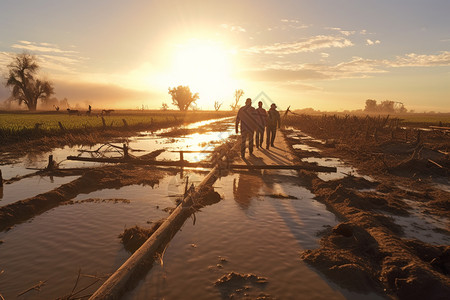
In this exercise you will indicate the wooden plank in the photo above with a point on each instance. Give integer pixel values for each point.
(117, 283)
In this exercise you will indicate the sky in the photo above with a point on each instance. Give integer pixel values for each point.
(330, 55)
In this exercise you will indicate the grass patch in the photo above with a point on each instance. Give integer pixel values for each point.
(19, 126)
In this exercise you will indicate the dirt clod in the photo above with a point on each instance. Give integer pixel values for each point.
(242, 286)
(134, 237)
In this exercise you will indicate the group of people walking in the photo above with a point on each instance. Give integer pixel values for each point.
(254, 122)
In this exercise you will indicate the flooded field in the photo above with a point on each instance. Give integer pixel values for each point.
(262, 224)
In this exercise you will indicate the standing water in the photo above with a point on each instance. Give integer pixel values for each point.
(260, 227)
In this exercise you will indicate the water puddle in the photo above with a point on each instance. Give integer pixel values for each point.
(262, 224)
(343, 169)
(85, 235)
(304, 147)
(30, 187)
(424, 227)
(247, 232)
(146, 141)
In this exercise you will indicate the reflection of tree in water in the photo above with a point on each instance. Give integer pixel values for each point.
(245, 188)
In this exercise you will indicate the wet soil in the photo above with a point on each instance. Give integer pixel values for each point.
(367, 250)
(133, 238)
(242, 286)
(92, 180)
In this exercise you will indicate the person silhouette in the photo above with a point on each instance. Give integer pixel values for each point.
(261, 121)
(246, 117)
(273, 122)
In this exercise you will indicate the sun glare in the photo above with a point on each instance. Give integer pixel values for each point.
(206, 67)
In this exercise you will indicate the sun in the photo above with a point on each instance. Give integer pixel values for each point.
(206, 67)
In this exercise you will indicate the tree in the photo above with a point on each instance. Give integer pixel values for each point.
(182, 97)
(400, 108)
(217, 105)
(237, 96)
(387, 106)
(25, 87)
(371, 105)
(164, 106)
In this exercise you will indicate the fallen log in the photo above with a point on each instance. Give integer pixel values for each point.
(186, 164)
(139, 262)
(442, 128)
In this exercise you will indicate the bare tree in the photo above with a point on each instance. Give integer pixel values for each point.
(25, 87)
(217, 105)
(237, 96)
(182, 97)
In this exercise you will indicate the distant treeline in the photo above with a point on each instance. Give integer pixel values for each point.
(386, 106)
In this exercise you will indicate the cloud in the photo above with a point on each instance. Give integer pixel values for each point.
(292, 24)
(369, 42)
(357, 67)
(50, 57)
(233, 28)
(5, 59)
(421, 60)
(308, 45)
(285, 72)
(343, 32)
(40, 47)
(62, 64)
(289, 21)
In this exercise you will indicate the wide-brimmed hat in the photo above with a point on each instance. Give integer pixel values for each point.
(273, 105)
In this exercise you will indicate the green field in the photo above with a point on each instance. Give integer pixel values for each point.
(35, 124)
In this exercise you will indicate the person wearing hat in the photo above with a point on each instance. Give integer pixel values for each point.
(273, 122)
(246, 117)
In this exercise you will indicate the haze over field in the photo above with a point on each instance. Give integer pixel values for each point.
(329, 55)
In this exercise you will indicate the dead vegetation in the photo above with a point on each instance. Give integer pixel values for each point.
(133, 238)
(380, 144)
(367, 250)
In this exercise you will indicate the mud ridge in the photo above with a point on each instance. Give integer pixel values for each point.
(366, 251)
(92, 180)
